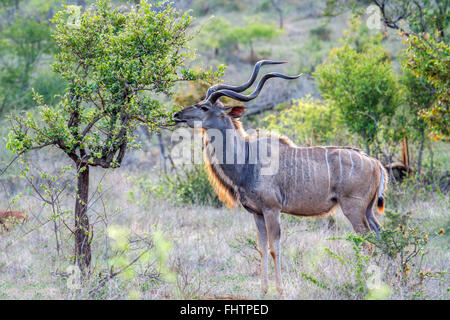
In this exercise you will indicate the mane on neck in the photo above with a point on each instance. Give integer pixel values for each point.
(222, 185)
(283, 139)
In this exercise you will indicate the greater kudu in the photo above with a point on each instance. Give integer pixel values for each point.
(309, 182)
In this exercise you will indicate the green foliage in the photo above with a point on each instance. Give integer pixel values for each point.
(322, 32)
(363, 277)
(25, 38)
(429, 60)
(194, 91)
(313, 52)
(425, 25)
(111, 60)
(405, 243)
(193, 187)
(418, 95)
(127, 259)
(359, 81)
(314, 281)
(186, 186)
(427, 16)
(214, 34)
(358, 265)
(253, 31)
(220, 34)
(307, 121)
(401, 240)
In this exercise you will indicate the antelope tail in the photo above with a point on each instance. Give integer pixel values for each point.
(381, 189)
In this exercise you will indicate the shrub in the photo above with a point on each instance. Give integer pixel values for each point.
(402, 241)
(359, 81)
(187, 186)
(192, 187)
(321, 32)
(307, 121)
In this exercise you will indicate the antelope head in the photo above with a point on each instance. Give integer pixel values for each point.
(211, 113)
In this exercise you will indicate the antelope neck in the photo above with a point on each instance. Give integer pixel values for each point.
(235, 171)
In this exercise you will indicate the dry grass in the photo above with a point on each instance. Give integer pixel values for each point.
(213, 253)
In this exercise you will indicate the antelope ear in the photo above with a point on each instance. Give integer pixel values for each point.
(235, 112)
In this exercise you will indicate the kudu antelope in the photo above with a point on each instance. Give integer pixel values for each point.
(8, 218)
(311, 181)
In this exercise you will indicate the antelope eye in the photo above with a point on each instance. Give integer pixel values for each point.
(204, 108)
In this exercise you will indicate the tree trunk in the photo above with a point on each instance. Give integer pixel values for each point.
(252, 54)
(366, 146)
(366, 143)
(82, 228)
(419, 159)
(162, 154)
(279, 11)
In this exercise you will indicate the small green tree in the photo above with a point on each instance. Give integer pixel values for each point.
(220, 34)
(357, 78)
(253, 31)
(111, 60)
(214, 35)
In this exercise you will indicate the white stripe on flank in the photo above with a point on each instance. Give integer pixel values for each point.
(296, 166)
(351, 159)
(328, 167)
(309, 164)
(301, 161)
(340, 166)
(292, 162)
(362, 163)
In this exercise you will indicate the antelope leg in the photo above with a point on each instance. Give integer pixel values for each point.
(262, 248)
(355, 211)
(272, 219)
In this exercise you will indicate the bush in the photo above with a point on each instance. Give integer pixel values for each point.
(188, 186)
(358, 79)
(321, 32)
(221, 34)
(308, 121)
(402, 241)
(193, 187)
(403, 244)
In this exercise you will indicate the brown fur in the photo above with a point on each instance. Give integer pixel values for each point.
(283, 139)
(8, 218)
